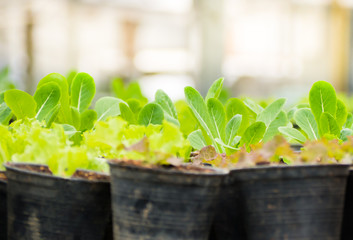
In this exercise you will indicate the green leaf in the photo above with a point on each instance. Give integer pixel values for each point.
(306, 121)
(52, 115)
(119, 88)
(187, 120)
(151, 113)
(197, 140)
(322, 98)
(76, 118)
(292, 133)
(83, 90)
(228, 149)
(47, 98)
(232, 128)
(126, 113)
(341, 113)
(215, 89)
(271, 111)
(107, 107)
(235, 106)
(2, 97)
(21, 103)
(218, 116)
(253, 106)
(199, 109)
(70, 76)
(345, 133)
(170, 113)
(236, 140)
(349, 121)
(134, 105)
(88, 118)
(272, 130)
(69, 130)
(166, 103)
(134, 91)
(64, 115)
(253, 134)
(5, 114)
(291, 112)
(328, 125)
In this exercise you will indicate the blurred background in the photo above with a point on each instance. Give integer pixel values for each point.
(263, 48)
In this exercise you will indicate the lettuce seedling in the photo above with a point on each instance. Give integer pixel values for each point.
(227, 128)
(326, 116)
(28, 140)
(154, 144)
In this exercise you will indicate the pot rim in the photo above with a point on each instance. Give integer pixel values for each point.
(214, 172)
(13, 166)
(297, 166)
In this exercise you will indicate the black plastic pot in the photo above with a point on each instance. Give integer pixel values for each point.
(282, 202)
(347, 225)
(3, 209)
(46, 207)
(163, 204)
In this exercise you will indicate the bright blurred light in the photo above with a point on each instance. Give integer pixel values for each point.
(173, 6)
(173, 85)
(163, 60)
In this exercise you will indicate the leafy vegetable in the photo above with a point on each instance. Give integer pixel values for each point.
(215, 89)
(329, 125)
(232, 128)
(200, 111)
(292, 133)
(271, 111)
(170, 113)
(253, 134)
(197, 140)
(83, 90)
(322, 98)
(107, 107)
(153, 144)
(64, 115)
(151, 113)
(47, 98)
(21, 103)
(235, 106)
(306, 121)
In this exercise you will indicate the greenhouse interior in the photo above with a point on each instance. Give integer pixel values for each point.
(176, 120)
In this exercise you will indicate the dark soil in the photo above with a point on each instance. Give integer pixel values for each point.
(3, 176)
(90, 175)
(80, 174)
(33, 168)
(182, 168)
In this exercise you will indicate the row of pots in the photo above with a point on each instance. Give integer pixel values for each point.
(273, 202)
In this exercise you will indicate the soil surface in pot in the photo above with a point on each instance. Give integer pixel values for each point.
(80, 174)
(3, 176)
(182, 168)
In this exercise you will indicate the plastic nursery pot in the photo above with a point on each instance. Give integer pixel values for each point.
(3, 207)
(163, 203)
(347, 229)
(282, 202)
(45, 207)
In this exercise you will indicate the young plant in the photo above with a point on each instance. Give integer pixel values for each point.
(28, 140)
(151, 144)
(326, 116)
(236, 124)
